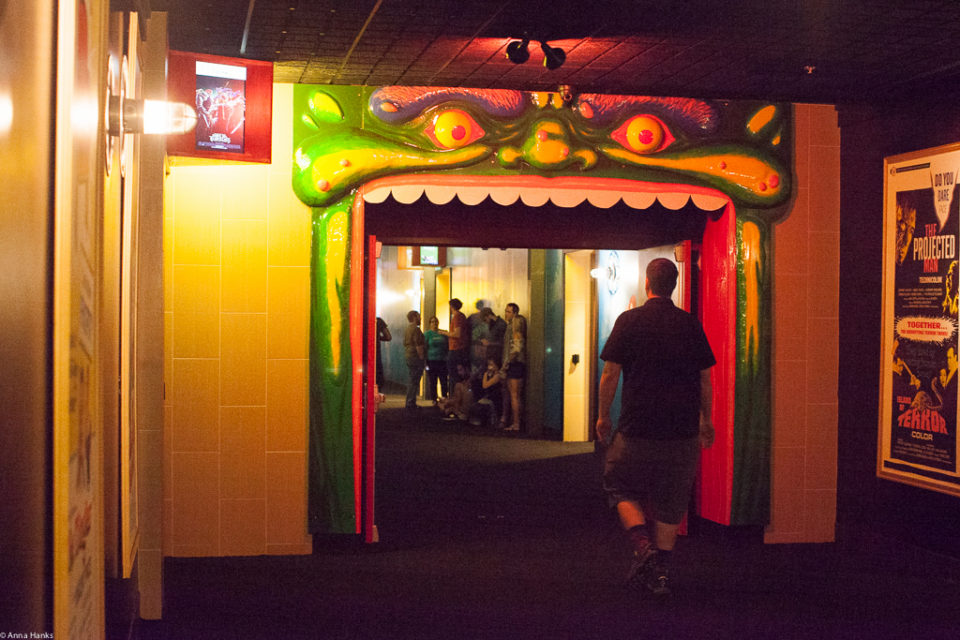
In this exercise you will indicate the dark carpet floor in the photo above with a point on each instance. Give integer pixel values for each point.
(486, 534)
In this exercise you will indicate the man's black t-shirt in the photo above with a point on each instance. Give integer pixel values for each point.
(662, 350)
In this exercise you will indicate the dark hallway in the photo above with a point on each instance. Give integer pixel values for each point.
(488, 535)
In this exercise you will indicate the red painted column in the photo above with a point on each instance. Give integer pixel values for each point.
(718, 291)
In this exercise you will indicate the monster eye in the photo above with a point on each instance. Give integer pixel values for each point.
(643, 134)
(453, 129)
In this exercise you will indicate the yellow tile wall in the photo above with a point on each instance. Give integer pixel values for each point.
(236, 301)
(806, 325)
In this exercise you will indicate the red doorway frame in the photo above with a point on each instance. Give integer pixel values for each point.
(717, 290)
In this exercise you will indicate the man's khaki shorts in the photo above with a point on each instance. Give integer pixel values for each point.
(656, 474)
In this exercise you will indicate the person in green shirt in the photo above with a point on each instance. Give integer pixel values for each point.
(436, 360)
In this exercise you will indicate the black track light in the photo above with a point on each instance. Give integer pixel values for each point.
(553, 57)
(517, 51)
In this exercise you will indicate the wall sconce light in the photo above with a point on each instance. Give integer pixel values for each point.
(517, 51)
(610, 273)
(151, 117)
(553, 57)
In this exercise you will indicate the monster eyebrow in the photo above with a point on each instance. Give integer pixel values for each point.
(396, 104)
(694, 115)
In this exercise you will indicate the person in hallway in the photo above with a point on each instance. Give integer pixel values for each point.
(383, 335)
(491, 390)
(414, 351)
(479, 335)
(514, 367)
(436, 360)
(496, 328)
(459, 341)
(476, 317)
(458, 405)
(650, 465)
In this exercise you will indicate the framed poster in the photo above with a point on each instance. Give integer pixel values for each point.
(917, 441)
(78, 568)
(233, 98)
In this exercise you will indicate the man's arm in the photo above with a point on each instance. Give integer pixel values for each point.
(608, 389)
(706, 410)
(421, 345)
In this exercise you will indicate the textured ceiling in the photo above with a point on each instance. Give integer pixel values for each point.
(834, 51)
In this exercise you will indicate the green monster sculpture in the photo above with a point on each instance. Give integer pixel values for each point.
(738, 153)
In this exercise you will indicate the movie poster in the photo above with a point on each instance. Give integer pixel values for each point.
(221, 106)
(918, 439)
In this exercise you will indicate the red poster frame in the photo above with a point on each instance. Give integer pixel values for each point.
(181, 87)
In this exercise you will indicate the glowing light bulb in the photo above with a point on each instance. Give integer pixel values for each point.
(161, 117)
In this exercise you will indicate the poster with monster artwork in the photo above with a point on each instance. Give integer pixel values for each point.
(918, 424)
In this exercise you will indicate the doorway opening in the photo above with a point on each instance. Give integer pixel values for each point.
(567, 300)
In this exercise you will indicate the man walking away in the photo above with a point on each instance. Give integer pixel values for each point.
(664, 357)
(414, 352)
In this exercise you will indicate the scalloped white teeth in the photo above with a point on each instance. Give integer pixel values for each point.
(536, 196)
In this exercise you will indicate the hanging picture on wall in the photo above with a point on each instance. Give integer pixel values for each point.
(221, 102)
(233, 99)
(918, 441)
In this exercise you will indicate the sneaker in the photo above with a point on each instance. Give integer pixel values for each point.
(657, 580)
(639, 568)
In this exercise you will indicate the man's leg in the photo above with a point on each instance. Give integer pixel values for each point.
(451, 371)
(516, 390)
(631, 515)
(431, 382)
(634, 525)
(657, 573)
(411, 394)
(416, 372)
(665, 535)
(505, 403)
(442, 375)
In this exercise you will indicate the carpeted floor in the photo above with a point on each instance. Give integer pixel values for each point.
(487, 534)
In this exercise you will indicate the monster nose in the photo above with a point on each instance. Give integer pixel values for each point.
(549, 145)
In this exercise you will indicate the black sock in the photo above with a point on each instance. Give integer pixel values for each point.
(639, 539)
(663, 557)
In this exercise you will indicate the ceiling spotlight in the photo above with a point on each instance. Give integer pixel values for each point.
(517, 52)
(553, 57)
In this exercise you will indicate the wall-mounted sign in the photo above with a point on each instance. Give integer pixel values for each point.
(221, 103)
(233, 98)
(918, 441)
(421, 256)
(430, 256)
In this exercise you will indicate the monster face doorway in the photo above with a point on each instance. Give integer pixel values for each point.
(357, 144)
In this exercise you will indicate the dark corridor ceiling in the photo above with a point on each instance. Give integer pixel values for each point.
(829, 51)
